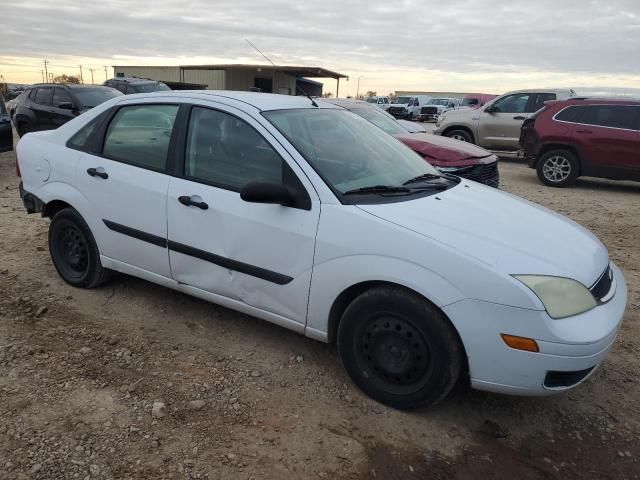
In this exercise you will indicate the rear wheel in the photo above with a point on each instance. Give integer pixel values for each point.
(557, 168)
(74, 251)
(461, 135)
(399, 349)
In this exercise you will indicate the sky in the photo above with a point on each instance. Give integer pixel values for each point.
(459, 45)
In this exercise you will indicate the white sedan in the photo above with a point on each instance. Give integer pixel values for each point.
(308, 216)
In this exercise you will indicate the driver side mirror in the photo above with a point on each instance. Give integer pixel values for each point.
(492, 109)
(267, 192)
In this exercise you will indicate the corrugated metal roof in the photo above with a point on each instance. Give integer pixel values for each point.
(317, 72)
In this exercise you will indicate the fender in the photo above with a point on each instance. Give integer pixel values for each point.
(333, 277)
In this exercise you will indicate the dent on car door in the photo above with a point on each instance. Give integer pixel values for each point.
(499, 127)
(258, 254)
(125, 179)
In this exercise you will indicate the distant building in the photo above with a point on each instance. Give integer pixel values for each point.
(285, 80)
(431, 94)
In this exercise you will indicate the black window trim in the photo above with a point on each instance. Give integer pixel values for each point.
(637, 129)
(303, 201)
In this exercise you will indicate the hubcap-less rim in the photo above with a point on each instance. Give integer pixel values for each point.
(72, 251)
(556, 169)
(459, 137)
(395, 353)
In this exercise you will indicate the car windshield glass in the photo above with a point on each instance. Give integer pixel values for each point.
(372, 100)
(403, 100)
(92, 97)
(380, 119)
(438, 101)
(149, 87)
(348, 151)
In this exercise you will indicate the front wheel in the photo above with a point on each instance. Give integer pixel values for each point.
(557, 168)
(399, 349)
(74, 251)
(461, 135)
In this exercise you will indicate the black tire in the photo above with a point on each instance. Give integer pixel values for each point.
(399, 349)
(461, 135)
(558, 168)
(74, 251)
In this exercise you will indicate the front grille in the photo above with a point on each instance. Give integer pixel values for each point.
(603, 286)
(486, 173)
(428, 110)
(397, 110)
(565, 379)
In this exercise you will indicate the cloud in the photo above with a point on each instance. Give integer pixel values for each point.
(397, 43)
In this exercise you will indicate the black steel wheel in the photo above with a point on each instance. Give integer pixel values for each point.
(74, 251)
(399, 348)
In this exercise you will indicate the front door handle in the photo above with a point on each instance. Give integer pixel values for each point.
(97, 172)
(520, 118)
(193, 201)
(588, 132)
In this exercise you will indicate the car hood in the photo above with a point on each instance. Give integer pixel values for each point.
(405, 105)
(443, 151)
(508, 233)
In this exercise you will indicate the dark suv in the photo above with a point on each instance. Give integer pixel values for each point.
(584, 137)
(46, 106)
(129, 85)
(6, 134)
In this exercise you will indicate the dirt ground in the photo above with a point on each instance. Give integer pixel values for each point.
(81, 372)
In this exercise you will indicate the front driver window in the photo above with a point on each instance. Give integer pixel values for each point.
(225, 151)
(513, 103)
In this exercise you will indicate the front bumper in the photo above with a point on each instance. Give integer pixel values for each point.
(31, 203)
(571, 349)
(428, 117)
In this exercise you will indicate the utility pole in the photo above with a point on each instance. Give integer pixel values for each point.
(81, 79)
(358, 88)
(42, 72)
(273, 81)
(46, 72)
(91, 70)
(105, 73)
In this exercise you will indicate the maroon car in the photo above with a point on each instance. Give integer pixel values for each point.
(446, 154)
(584, 137)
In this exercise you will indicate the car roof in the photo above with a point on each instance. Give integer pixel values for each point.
(68, 85)
(258, 100)
(601, 100)
(133, 80)
(542, 90)
(348, 103)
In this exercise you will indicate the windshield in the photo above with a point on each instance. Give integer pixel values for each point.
(439, 101)
(149, 87)
(403, 100)
(348, 151)
(380, 119)
(372, 100)
(92, 97)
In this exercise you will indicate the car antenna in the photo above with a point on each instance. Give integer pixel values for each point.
(313, 102)
(273, 82)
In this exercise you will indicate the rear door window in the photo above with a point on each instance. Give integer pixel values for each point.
(538, 101)
(612, 116)
(140, 135)
(570, 114)
(43, 96)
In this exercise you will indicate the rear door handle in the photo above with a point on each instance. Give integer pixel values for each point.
(520, 118)
(588, 132)
(97, 172)
(193, 201)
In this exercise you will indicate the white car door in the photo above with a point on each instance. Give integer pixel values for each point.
(126, 183)
(258, 254)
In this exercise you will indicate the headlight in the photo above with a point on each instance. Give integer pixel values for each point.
(561, 297)
(441, 119)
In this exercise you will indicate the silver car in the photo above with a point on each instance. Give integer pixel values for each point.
(496, 125)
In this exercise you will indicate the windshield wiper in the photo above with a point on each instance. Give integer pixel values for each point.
(424, 176)
(378, 189)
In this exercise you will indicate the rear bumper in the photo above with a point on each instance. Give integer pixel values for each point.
(31, 203)
(571, 349)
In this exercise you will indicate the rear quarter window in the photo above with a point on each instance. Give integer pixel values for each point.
(570, 114)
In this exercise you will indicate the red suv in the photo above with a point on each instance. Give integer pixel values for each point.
(584, 137)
